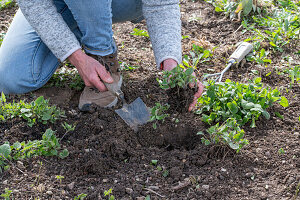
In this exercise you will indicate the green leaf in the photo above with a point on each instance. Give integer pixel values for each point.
(17, 145)
(266, 114)
(3, 97)
(154, 162)
(200, 133)
(272, 44)
(233, 107)
(247, 6)
(284, 102)
(280, 116)
(257, 80)
(5, 150)
(268, 74)
(64, 154)
(189, 71)
(39, 100)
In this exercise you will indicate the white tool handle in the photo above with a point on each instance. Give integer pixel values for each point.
(240, 53)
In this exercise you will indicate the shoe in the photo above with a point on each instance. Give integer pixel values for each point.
(103, 99)
(92, 95)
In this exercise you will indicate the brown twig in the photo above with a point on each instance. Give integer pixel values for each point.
(152, 191)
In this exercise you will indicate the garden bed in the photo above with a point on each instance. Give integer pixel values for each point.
(169, 162)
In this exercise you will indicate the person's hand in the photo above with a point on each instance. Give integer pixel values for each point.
(90, 70)
(168, 65)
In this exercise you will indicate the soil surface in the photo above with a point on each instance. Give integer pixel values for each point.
(105, 153)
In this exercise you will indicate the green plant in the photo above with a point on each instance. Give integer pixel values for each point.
(198, 55)
(6, 194)
(158, 113)
(1, 38)
(139, 32)
(294, 74)
(126, 67)
(36, 111)
(48, 146)
(109, 194)
(242, 102)
(260, 57)
(228, 134)
(5, 3)
(66, 77)
(60, 178)
(178, 77)
(154, 162)
(80, 196)
(281, 151)
(238, 8)
(68, 127)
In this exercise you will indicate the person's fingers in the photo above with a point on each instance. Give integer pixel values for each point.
(197, 95)
(104, 74)
(96, 82)
(192, 84)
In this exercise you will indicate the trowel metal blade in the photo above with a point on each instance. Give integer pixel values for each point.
(135, 113)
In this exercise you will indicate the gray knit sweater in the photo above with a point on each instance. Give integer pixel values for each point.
(162, 17)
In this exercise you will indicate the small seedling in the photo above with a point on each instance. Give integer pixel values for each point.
(126, 67)
(68, 127)
(139, 32)
(158, 113)
(165, 173)
(197, 55)
(80, 196)
(154, 162)
(6, 194)
(281, 151)
(60, 178)
(108, 193)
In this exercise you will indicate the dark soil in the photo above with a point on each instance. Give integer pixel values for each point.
(105, 153)
(179, 99)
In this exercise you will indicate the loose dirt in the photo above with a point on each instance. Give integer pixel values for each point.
(105, 153)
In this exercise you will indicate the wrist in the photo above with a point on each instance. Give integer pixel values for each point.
(77, 57)
(168, 64)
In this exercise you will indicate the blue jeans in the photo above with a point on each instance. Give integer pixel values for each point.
(26, 63)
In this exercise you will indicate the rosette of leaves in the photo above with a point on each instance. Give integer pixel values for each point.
(178, 77)
(228, 134)
(242, 102)
(158, 113)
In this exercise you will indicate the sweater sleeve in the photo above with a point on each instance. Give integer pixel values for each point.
(50, 26)
(164, 26)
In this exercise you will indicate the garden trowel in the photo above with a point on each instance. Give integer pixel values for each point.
(135, 113)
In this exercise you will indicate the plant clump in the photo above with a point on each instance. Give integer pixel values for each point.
(229, 133)
(242, 102)
(36, 111)
(176, 82)
(48, 146)
(235, 104)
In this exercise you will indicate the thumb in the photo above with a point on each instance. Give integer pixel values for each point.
(104, 75)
